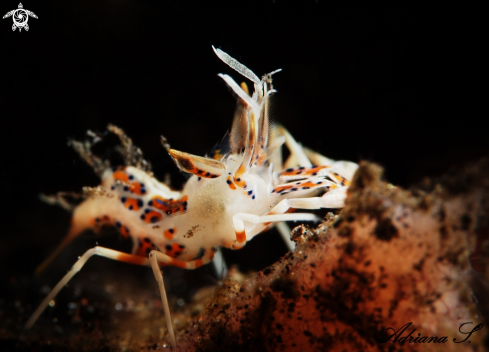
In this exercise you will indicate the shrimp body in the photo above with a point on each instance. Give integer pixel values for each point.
(231, 196)
(189, 224)
(214, 207)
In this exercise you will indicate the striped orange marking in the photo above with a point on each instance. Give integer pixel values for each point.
(303, 171)
(309, 184)
(133, 259)
(341, 179)
(282, 188)
(186, 162)
(303, 185)
(238, 176)
(179, 263)
(241, 236)
(170, 206)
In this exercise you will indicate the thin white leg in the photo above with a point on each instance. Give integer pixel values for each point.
(332, 199)
(166, 308)
(156, 257)
(101, 251)
(240, 218)
(220, 265)
(274, 153)
(128, 258)
(284, 231)
(256, 219)
(316, 158)
(295, 148)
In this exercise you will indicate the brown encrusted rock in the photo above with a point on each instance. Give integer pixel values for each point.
(392, 257)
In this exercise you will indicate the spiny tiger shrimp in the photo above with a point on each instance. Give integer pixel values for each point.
(240, 190)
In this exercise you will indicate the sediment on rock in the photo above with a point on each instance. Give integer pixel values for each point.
(391, 257)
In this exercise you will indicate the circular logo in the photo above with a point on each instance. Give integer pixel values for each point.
(20, 17)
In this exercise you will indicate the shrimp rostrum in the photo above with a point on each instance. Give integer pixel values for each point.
(240, 190)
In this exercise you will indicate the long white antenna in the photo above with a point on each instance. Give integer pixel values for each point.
(237, 66)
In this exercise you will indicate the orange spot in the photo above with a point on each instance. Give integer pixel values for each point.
(121, 176)
(170, 233)
(174, 251)
(152, 217)
(231, 183)
(132, 202)
(135, 187)
(199, 263)
(241, 236)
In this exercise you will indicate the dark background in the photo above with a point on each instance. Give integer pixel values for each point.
(398, 86)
